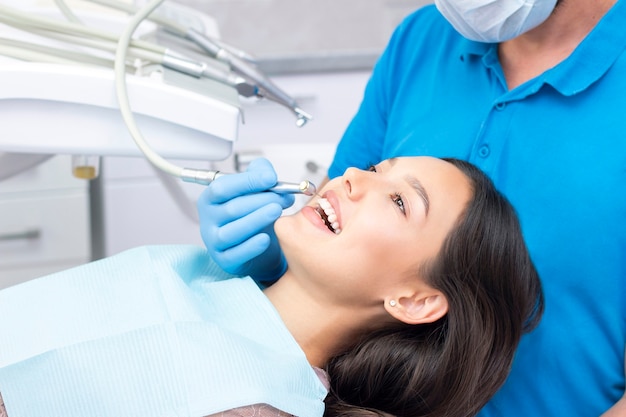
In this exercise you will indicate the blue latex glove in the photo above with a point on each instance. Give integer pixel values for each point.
(237, 218)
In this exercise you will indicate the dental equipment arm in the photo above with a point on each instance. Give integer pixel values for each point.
(238, 61)
(245, 77)
(68, 90)
(266, 87)
(79, 34)
(57, 95)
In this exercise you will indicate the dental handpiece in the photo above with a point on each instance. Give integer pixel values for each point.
(206, 177)
(265, 87)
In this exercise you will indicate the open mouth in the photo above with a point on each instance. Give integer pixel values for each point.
(327, 213)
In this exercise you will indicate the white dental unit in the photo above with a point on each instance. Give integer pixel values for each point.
(87, 80)
(186, 101)
(90, 66)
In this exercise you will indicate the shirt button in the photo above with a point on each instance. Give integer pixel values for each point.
(484, 151)
(500, 106)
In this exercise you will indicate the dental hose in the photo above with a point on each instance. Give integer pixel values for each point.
(197, 176)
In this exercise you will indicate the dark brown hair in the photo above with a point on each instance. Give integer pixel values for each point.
(454, 366)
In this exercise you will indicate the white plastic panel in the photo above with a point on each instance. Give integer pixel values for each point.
(48, 108)
(43, 230)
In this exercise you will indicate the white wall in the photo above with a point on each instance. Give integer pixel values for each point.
(271, 27)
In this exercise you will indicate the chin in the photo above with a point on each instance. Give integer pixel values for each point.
(290, 232)
(281, 228)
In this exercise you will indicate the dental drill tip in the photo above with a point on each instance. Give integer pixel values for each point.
(303, 117)
(308, 188)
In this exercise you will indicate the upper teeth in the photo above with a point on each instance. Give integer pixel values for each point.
(331, 216)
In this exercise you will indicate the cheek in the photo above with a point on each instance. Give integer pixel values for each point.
(378, 250)
(362, 274)
(367, 252)
(301, 242)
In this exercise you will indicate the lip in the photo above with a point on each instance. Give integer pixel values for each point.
(310, 212)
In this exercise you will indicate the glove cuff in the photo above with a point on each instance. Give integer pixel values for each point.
(271, 275)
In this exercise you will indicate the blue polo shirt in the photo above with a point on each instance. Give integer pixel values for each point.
(556, 147)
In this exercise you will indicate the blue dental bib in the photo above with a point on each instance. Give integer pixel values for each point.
(154, 331)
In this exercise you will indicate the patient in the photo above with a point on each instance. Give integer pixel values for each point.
(409, 284)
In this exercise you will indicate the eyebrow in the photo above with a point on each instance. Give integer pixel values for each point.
(421, 191)
(416, 185)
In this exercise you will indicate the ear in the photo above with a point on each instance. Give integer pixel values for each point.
(419, 308)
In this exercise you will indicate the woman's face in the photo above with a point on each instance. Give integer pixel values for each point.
(372, 226)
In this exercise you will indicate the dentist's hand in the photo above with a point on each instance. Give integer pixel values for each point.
(237, 218)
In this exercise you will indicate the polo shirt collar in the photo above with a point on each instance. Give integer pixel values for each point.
(469, 47)
(594, 56)
(586, 64)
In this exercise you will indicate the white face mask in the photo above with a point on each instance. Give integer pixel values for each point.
(494, 20)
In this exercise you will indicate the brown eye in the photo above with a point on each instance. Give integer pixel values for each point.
(397, 199)
(372, 168)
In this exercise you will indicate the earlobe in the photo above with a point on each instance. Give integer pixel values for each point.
(418, 309)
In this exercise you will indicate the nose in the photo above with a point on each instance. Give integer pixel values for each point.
(355, 182)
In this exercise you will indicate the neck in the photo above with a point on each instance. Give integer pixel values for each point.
(321, 327)
(542, 48)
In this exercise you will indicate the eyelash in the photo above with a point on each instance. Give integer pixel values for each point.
(396, 197)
